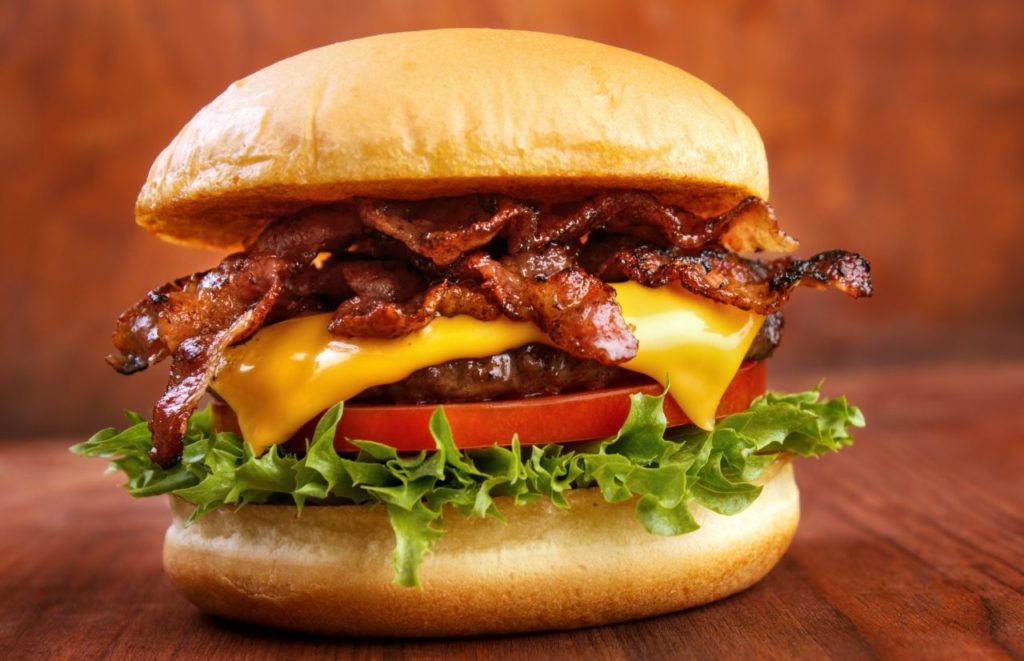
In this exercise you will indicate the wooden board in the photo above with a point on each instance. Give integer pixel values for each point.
(912, 544)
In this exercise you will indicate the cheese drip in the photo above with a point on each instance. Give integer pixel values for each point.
(290, 372)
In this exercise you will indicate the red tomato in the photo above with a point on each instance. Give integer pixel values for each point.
(553, 419)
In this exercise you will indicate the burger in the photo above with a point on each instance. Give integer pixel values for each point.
(487, 350)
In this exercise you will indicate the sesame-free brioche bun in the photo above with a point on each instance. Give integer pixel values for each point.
(546, 568)
(446, 112)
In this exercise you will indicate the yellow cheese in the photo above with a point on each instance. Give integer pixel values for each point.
(290, 372)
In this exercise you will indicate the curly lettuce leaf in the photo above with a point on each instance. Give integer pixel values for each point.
(667, 471)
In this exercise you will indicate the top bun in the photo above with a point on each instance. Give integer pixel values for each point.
(447, 112)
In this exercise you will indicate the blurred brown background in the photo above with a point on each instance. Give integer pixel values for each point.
(893, 128)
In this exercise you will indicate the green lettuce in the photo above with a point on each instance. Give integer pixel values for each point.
(666, 470)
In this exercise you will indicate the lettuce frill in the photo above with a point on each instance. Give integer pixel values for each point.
(666, 470)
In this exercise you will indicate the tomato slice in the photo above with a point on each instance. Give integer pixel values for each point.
(537, 420)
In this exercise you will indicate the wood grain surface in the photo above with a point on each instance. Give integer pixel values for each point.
(911, 546)
(893, 128)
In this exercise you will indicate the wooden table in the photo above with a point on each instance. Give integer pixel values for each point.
(912, 544)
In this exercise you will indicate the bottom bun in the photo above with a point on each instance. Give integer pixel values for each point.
(329, 571)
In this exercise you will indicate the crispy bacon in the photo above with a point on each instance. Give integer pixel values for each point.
(138, 342)
(302, 237)
(322, 288)
(155, 326)
(444, 230)
(368, 316)
(750, 226)
(576, 310)
(193, 320)
(743, 283)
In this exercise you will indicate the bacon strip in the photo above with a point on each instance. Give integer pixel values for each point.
(747, 284)
(193, 320)
(750, 226)
(444, 230)
(301, 237)
(138, 342)
(576, 310)
(367, 316)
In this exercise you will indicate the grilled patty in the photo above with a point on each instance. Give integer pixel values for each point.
(535, 369)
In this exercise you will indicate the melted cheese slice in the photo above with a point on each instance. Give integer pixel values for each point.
(292, 371)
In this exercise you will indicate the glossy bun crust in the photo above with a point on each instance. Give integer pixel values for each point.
(546, 568)
(445, 112)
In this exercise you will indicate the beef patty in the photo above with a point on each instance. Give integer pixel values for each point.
(535, 369)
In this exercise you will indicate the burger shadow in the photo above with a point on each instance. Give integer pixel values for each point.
(572, 643)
